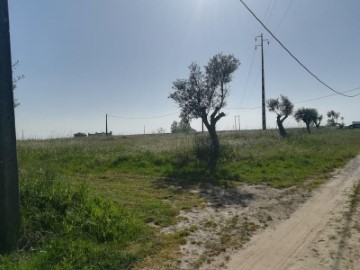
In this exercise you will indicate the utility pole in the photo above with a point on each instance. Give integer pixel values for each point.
(106, 130)
(237, 117)
(263, 79)
(9, 183)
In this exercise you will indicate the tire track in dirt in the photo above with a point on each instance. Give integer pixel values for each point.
(287, 245)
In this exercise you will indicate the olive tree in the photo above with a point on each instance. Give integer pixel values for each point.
(283, 108)
(332, 118)
(203, 94)
(307, 115)
(180, 127)
(318, 121)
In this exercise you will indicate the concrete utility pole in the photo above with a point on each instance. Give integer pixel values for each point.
(237, 117)
(263, 79)
(106, 125)
(9, 184)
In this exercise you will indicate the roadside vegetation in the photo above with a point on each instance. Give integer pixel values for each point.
(100, 203)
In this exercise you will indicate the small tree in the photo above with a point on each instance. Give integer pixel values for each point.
(342, 124)
(283, 108)
(203, 94)
(16, 79)
(174, 127)
(318, 121)
(306, 115)
(332, 118)
(181, 127)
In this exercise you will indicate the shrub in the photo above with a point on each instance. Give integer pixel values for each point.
(67, 227)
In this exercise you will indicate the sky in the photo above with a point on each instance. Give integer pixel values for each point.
(87, 58)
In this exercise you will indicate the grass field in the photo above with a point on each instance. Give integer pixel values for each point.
(100, 203)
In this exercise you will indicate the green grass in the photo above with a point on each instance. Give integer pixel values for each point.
(100, 203)
(65, 226)
(283, 163)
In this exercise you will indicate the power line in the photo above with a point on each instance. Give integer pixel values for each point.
(267, 9)
(271, 11)
(243, 108)
(293, 56)
(249, 74)
(302, 101)
(239, 108)
(140, 118)
(331, 95)
(283, 17)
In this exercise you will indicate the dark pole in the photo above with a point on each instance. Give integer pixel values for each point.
(106, 125)
(263, 85)
(9, 184)
(262, 81)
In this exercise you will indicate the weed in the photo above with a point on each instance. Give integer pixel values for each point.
(200, 261)
(210, 224)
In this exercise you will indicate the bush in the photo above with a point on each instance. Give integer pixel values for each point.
(66, 227)
(203, 148)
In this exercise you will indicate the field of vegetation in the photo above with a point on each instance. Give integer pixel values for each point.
(100, 203)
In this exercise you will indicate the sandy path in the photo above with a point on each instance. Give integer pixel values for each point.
(289, 244)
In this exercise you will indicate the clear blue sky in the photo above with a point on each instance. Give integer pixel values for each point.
(85, 58)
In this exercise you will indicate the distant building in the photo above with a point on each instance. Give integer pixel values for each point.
(80, 134)
(355, 124)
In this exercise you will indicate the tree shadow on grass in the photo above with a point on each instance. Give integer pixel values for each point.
(217, 192)
(230, 196)
(194, 171)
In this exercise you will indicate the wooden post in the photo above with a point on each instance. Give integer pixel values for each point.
(9, 185)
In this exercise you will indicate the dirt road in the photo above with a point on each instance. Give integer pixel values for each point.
(318, 235)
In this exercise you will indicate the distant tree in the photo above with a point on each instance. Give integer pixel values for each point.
(174, 127)
(16, 79)
(306, 115)
(342, 124)
(203, 94)
(318, 121)
(181, 127)
(283, 108)
(161, 130)
(332, 118)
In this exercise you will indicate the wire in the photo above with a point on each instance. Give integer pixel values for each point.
(248, 77)
(283, 17)
(312, 99)
(141, 118)
(243, 108)
(297, 102)
(240, 108)
(267, 9)
(293, 56)
(271, 11)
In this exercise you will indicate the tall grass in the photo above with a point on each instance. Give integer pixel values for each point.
(64, 226)
(99, 203)
(282, 163)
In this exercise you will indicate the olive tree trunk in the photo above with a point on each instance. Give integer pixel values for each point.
(282, 131)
